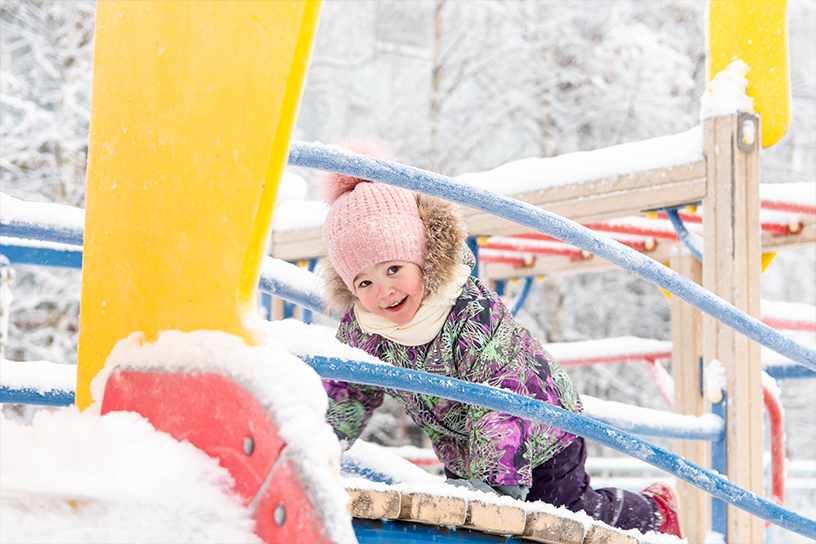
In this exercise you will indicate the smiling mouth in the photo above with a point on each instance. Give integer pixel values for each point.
(396, 305)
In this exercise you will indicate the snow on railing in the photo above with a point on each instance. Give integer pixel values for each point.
(338, 160)
(538, 411)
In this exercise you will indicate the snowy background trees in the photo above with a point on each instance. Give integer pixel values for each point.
(453, 87)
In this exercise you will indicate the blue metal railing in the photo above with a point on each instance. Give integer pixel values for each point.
(334, 159)
(685, 236)
(541, 412)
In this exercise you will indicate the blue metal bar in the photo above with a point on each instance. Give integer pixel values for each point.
(344, 162)
(788, 372)
(685, 236)
(43, 256)
(10, 395)
(534, 410)
(281, 289)
(518, 304)
(44, 232)
(473, 245)
(510, 403)
(306, 313)
(266, 303)
(48, 233)
(719, 465)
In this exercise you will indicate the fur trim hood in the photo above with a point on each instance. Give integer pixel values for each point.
(445, 233)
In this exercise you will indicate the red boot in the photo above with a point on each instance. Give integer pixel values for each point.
(666, 498)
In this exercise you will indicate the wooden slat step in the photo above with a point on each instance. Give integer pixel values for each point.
(603, 534)
(552, 529)
(495, 518)
(434, 510)
(374, 504)
(523, 523)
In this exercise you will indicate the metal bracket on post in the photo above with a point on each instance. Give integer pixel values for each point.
(747, 132)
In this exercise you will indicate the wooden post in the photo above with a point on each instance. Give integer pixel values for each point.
(687, 348)
(731, 269)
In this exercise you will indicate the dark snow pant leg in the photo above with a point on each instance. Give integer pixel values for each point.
(562, 481)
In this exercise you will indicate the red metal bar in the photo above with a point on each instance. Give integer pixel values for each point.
(566, 250)
(654, 233)
(610, 359)
(785, 207)
(774, 410)
(518, 262)
(776, 229)
(788, 324)
(657, 374)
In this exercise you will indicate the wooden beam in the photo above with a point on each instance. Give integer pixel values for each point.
(731, 269)
(552, 266)
(603, 199)
(594, 200)
(687, 341)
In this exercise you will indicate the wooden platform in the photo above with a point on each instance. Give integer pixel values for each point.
(527, 521)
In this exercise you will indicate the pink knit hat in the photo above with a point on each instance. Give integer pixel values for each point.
(369, 223)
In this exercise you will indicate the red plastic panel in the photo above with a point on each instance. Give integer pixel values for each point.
(209, 410)
(285, 513)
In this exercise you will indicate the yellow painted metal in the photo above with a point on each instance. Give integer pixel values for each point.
(194, 103)
(755, 31)
(766, 260)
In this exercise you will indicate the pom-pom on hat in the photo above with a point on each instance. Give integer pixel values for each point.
(369, 222)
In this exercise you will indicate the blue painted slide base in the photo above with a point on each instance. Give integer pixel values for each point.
(33, 397)
(371, 531)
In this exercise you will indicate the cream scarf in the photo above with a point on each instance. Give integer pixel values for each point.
(426, 323)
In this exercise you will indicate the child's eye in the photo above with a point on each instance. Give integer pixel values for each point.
(364, 283)
(393, 269)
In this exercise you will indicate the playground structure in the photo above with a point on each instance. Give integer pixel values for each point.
(727, 176)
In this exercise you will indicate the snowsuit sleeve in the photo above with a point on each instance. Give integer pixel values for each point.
(493, 349)
(350, 405)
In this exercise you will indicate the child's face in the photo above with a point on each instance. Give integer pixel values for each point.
(391, 289)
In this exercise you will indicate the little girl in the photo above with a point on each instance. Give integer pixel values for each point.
(400, 275)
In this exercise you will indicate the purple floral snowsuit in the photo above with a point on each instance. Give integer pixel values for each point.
(480, 342)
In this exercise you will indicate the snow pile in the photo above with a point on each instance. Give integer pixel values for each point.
(14, 209)
(789, 311)
(715, 381)
(308, 340)
(79, 477)
(622, 416)
(292, 187)
(727, 93)
(607, 347)
(289, 389)
(533, 174)
(294, 214)
(801, 193)
(40, 376)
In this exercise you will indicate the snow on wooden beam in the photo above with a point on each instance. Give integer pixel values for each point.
(603, 199)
